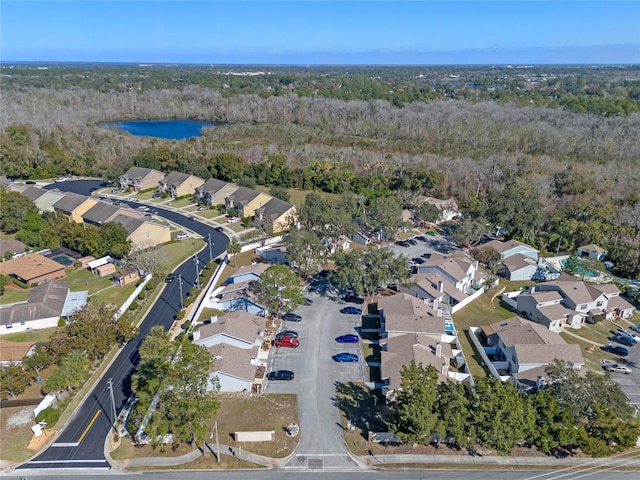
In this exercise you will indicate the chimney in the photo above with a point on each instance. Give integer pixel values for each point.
(438, 349)
(445, 369)
(435, 304)
(440, 286)
(214, 318)
(196, 335)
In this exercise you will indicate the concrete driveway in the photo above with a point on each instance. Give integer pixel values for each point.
(321, 434)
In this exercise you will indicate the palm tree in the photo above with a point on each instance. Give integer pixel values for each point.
(233, 248)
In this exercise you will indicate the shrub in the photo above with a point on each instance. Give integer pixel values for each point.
(180, 315)
(133, 306)
(149, 286)
(142, 295)
(49, 415)
(61, 322)
(20, 283)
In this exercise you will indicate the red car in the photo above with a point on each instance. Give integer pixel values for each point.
(289, 342)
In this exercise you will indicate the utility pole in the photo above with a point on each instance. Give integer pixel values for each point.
(215, 429)
(180, 285)
(195, 259)
(113, 405)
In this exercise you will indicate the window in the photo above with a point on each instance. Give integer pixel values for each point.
(583, 306)
(599, 304)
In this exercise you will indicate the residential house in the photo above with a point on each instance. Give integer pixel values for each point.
(11, 247)
(275, 216)
(43, 199)
(178, 184)
(248, 273)
(519, 267)
(273, 254)
(125, 276)
(100, 213)
(561, 303)
(342, 244)
(453, 280)
(32, 269)
(215, 192)
(140, 179)
(402, 313)
(361, 238)
(46, 304)
(245, 201)
(593, 252)
(12, 353)
(73, 206)
(144, 233)
(510, 248)
(521, 349)
(448, 208)
(235, 340)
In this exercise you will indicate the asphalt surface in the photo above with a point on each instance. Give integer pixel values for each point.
(321, 442)
(81, 443)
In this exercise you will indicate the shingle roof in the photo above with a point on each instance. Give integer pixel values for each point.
(518, 261)
(70, 202)
(100, 213)
(33, 193)
(544, 297)
(238, 324)
(274, 208)
(234, 361)
(176, 178)
(14, 351)
(243, 195)
(595, 249)
(130, 224)
(405, 313)
(502, 247)
(576, 291)
(11, 245)
(455, 265)
(30, 266)
(257, 268)
(556, 311)
(138, 172)
(547, 353)
(529, 333)
(45, 301)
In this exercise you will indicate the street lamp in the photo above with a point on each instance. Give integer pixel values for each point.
(180, 285)
(195, 259)
(211, 244)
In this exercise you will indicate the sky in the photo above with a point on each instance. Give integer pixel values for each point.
(321, 32)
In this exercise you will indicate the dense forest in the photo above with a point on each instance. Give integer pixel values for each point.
(549, 153)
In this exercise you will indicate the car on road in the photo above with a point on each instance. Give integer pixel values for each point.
(219, 229)
(349, 338)
(155, 212)
(345, 357)
(30, 182)
(616, 350)
(291, 317)
(286, 375)
(233, 220)
(286, 333)
(351, 311)
(182, 236)
(617, 368)
(117, 202)
(353, 299)
(623, 339)
(61, 179)
(288, 342)
(170, 277)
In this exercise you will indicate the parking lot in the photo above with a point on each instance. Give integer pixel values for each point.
(630, 384)
(433, 244)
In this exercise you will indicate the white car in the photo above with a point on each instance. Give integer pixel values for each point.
(233, 220)
(61, 179)
(617, 368)
(182, 236)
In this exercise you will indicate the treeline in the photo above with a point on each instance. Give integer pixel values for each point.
(572, 412)
(606, 91)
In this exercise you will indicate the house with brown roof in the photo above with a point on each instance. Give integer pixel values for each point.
(235, 340)
(125, 276)
(245, 201)
(73, 206)
(592, 251)
(403, 313)
(509, 248)
(275, 216)
(12, 353)
(448, 208)
(215, 192)
(14, 248)
(46, 304)
(140, 179)
(517, 346)
(178, 184)
(32, 269)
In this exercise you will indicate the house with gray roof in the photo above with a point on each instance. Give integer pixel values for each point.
(12, 248)
(245, 201)
(403, 313)
(46, 304)
(592, 251)
(178, 184)
(275, 216)
(516, 346)
(100, 213)
(72, 206)
(234, 369)
(140, 179)
(215, 192)
(43, 199)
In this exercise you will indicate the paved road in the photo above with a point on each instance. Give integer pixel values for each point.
(630, 384)
(321, 433)
(81, 443)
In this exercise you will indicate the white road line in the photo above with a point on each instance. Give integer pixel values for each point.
(68, 444)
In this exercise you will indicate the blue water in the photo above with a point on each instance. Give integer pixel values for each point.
(171, 129)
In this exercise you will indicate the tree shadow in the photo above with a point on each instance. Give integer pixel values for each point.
(363, 407)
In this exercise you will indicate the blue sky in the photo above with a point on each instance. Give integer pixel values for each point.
(299, 32)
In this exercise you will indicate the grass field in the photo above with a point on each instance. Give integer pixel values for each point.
(13, 294)
(33, 336)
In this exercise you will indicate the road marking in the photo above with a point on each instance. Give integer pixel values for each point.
(321, 454)
(86, 430)
(68, 444)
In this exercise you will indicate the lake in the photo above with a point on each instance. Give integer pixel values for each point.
(171, 129)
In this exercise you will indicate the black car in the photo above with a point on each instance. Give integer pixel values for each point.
(403, 243)
(219, 229)
(426, 255)
(353, 299)
(170, 277)
(419, 260)
(291, 317)
(615, 349)
(30, 182)
(412, 241)
(286, 333)
(421, 238)
(281, 375)
(624, 340)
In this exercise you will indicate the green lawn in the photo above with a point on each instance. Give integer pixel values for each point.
(173, 253)
(182, 203)
(42, 335)
(13, 295)
(81, 279)
(211, 213)
(146, 195)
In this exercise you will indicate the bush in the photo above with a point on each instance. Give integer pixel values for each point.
(61, 322)
(142, 295)
(49, 415)
(20, 283)
(149, 285)
(133, 306)
(180, 315)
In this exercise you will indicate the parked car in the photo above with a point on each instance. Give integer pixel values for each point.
(61, 179)
(115, 190)
(419, 260)
(286, 375)
(233, 220)
(412, 241)
(170, 277)
(182, 236)
(628, 333)
(351, 311)
(345, 357)
(624, 340)
(635, 328)
(432, 234)
(617, 368)
(615, 349)
(353, 299)
(288, 342)
(421, 238)
(291, 317)
(30, 182)
(202, 207)
(287, 333)
(117, 202)
(349, 338)
(308, 301)
(403, 243)
(426, 255)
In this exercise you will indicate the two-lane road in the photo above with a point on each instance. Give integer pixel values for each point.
(81, 443)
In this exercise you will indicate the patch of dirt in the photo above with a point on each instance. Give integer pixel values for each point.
(22, 418)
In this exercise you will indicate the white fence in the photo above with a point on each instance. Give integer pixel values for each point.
(132, 297)
(483, 354)
(209, 289)
(261, 243)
